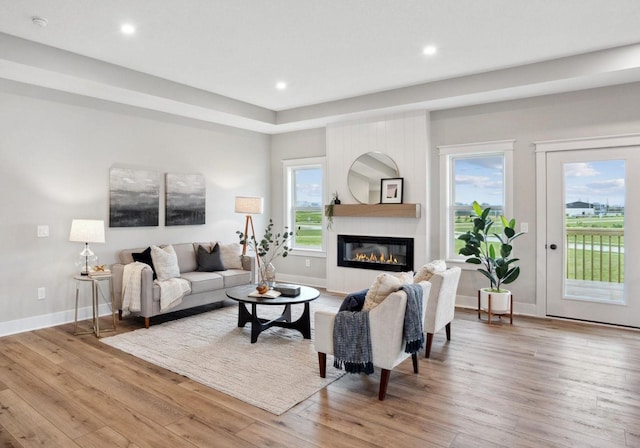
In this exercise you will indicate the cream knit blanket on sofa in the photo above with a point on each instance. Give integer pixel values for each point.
(171, 290)
(131, 285)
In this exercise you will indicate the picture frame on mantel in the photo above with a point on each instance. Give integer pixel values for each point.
(391, 190)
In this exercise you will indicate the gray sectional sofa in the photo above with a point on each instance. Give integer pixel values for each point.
(206, 287)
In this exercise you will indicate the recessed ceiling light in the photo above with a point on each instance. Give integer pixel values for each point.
(127, 28)
(430, 50)
(281, 85)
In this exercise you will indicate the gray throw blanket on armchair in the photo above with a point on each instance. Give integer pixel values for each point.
(413, 330)
(352, 338)
(352, 342)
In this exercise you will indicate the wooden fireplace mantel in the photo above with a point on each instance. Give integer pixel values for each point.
(376, 210)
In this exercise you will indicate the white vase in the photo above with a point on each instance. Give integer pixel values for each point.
(500, 301)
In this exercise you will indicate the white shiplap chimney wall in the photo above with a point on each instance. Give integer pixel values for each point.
(404, 137)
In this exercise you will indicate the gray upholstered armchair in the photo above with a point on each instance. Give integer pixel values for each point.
(386, 327)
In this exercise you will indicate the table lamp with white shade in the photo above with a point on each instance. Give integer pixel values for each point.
(87, 231)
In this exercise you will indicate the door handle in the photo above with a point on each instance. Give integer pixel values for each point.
(553, 246)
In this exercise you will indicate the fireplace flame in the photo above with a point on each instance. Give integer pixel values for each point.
(373, 258)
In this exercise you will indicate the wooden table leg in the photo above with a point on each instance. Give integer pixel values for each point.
(243, 314)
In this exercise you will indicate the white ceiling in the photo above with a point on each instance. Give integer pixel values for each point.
(326, 50)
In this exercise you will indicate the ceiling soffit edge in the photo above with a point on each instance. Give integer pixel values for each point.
(25, 61)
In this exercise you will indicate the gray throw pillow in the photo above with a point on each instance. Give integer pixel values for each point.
(209, 261)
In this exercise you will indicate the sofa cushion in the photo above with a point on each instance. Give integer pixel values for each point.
(235, 277)
(384, 285)
(231, 255)
(209, 260)
(186, 257)
(165, 262)
(203, 281)
(426, 272)
(144, 257)
(206, 244)
(126, 255)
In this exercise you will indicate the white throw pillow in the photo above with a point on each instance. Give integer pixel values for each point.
(165, 262)
(384, 285)
(426, 272)
(406, 278)
(231, 255)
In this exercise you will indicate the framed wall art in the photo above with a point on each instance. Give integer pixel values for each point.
(185, 199)
(134, 198)
(391, 190)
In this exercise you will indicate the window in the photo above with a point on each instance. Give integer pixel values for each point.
(304, 190)
(473, 172)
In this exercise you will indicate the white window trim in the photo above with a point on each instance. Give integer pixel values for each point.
(447, 152)
(541, 150)
(303, 163)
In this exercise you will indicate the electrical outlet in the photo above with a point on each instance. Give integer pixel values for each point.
(42, 293)
(524, 227)
(307, 263)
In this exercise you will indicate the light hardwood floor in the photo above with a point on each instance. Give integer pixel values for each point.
(538, 383)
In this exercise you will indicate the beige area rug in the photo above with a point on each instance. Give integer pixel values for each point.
(277, 372)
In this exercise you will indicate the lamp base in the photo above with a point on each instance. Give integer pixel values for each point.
(85, 262)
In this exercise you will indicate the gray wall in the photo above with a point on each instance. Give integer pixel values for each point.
(56, 151)
(595, 112)
(295, 145)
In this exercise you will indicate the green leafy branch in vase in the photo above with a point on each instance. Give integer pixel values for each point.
(270, 246)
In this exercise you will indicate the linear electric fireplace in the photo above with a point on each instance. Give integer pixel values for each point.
(375, 252)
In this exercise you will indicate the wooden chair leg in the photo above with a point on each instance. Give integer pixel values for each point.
(147, 322)
(448, 330)
(414, 358)
(384, 382)
(322, 361)
(427, 348)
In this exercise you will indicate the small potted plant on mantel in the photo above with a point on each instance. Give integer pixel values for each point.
(499, 268)
(335, 200)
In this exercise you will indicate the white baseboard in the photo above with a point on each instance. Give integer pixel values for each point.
(64, 317)
(49, 320)
(302, 280)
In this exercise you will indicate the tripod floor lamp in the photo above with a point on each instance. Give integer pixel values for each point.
(249, 206)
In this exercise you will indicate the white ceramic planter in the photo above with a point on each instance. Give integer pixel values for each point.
(500, 301)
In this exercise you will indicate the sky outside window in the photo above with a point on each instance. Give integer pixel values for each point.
(308, 182)
(595, 182)
(479, 179)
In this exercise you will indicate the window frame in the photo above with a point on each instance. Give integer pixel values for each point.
(289, 166)
(447, 154)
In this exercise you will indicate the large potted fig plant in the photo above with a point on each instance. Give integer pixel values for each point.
(492, 251)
